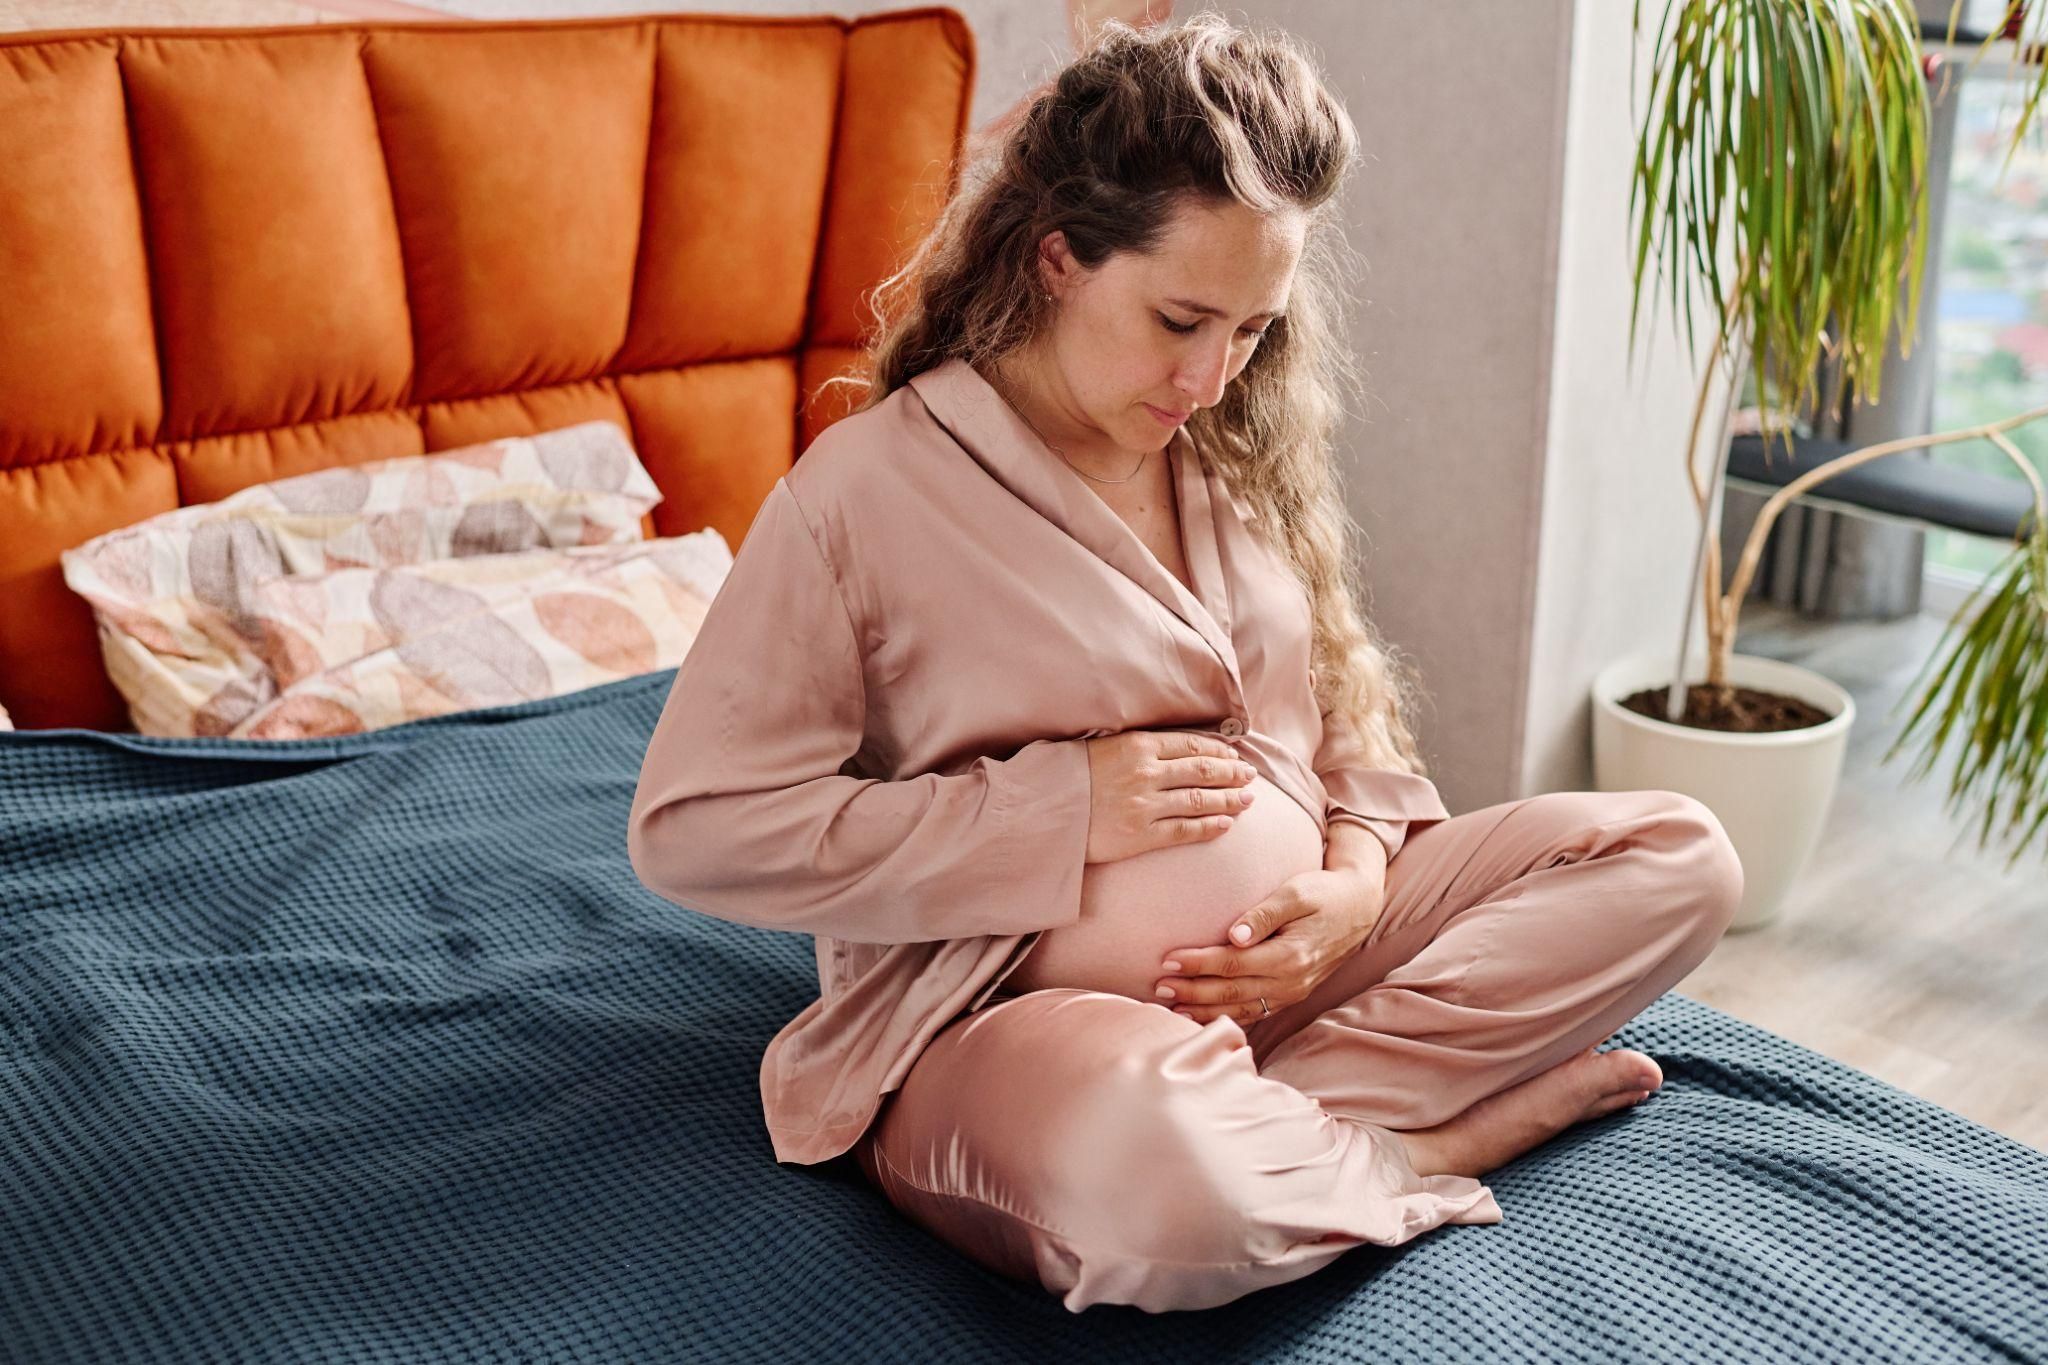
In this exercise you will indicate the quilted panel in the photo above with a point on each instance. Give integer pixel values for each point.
(890, 177)
(49, 646)
(714, 80)
(468, 421)
(701, 428)
(517, 159)
(230, 255)
(273, 251)
(77, 353)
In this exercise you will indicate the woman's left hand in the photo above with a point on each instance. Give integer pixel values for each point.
(1298, 936)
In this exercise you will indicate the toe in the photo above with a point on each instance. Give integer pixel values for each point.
(1628, 1071)
(1636, 1070)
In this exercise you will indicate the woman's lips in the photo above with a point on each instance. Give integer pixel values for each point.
(1167, 418)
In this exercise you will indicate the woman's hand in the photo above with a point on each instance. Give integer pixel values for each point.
(1293, 940)
(1152, 789)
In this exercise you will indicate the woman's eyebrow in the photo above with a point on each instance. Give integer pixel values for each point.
(1194, 307)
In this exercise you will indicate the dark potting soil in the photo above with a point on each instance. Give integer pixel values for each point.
(1742, 710)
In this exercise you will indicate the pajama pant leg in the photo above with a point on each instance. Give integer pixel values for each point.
(1115, 1152)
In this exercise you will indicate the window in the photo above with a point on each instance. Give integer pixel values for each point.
(1991, 306)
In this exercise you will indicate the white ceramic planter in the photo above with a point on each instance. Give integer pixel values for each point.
(1771, 791)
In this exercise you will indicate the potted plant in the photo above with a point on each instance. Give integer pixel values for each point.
(1794, 135)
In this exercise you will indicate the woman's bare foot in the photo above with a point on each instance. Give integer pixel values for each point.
(1501, 1127)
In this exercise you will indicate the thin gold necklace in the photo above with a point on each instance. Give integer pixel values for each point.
(1069, 463)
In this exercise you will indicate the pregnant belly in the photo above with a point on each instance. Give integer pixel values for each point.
(1135, 910)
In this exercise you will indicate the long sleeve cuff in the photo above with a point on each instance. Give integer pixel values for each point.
(1383, 801)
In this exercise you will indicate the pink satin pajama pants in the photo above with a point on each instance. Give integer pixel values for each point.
(1113, 1151)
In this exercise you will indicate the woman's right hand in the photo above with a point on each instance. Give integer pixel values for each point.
(1156, 788)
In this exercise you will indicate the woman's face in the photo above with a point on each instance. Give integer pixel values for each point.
(1133, 336)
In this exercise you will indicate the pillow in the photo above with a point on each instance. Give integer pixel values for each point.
(582, 485)
(209, 614)
(356, 649)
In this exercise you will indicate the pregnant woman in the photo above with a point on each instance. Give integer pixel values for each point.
(1152, 968)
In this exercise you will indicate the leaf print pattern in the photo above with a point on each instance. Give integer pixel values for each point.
(429, 484)
(303, 718)
(225, 707)
(126, 566)
(224, 555)
(407, 605)
(146, 628)
(401, 537)
(486, 665)
(602, 631)
(367, 595)
(584, 459)
(342, 489)
(288, 655)
(498, 528)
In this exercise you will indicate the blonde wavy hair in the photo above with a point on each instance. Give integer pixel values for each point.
(1142, 121)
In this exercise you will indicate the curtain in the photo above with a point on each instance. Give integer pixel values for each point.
(1835, 565)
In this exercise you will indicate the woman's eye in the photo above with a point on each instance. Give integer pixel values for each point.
(1183, 328)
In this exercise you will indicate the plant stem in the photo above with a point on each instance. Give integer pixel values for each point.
(1710, 506)
(1703, 493)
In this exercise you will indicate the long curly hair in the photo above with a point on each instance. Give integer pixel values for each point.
(1142, 121)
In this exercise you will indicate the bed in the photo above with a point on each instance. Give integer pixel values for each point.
(373, 1047)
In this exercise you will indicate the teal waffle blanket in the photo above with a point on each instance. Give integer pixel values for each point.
(374, 1049)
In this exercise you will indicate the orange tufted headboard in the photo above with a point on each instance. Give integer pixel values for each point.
(231, 255)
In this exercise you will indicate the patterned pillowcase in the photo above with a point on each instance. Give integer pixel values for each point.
(356, 649)
(367, 595)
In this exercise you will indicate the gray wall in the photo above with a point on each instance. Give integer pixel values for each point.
(1619, 526)
(1522, 494)
(1461, 113)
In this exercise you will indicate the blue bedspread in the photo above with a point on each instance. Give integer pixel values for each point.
(375, 1049)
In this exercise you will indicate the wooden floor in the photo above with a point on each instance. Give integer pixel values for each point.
(1903, 951)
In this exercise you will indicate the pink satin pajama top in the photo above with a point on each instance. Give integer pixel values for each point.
(878, 737)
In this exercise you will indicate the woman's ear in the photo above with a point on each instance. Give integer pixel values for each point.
(1056, 264)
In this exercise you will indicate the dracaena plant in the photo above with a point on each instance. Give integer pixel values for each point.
(1791, 136)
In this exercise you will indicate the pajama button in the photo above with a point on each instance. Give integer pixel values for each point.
(1232, 726)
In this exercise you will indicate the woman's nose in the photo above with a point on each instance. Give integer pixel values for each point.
(1202, 378)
